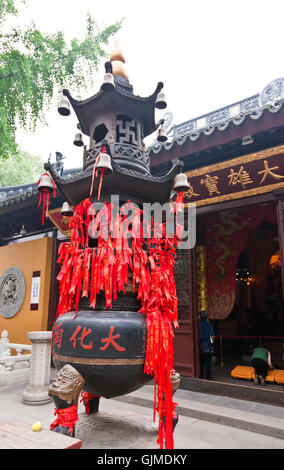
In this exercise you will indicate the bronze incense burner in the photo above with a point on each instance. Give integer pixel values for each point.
(102, 351)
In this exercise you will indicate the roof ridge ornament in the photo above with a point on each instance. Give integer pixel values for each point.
(272, 94)
(118, 61)
(116, 53)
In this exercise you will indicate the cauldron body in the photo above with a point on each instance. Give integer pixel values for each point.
(107, 348)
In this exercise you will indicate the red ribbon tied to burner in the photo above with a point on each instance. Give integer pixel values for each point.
(66, 417)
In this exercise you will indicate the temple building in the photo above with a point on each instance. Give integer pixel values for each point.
(234, 161)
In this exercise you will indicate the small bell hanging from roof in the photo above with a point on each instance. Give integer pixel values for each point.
(108, 83)
(102, 164)
(64, 107)
(160, 102)
(181, 185)
(45, 186)
(78, 140)
(66, 209)
(162, 135)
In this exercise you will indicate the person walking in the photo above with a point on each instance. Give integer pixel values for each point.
(206, 348)
(261, 362)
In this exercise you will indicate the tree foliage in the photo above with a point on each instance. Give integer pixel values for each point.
(26, 169)
(34, 65)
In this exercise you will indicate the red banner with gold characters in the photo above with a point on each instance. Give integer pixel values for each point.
(226, 237)
(251, 174)
(60, 221)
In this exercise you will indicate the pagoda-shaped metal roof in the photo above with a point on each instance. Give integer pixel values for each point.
(122, 100)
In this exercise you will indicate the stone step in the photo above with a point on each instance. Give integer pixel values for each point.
(255, 417)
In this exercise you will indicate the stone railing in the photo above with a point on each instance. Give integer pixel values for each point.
(31, 369)
(9, 362)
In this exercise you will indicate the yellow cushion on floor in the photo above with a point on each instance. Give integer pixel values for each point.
(271, 375)
(279, 376)
(247, 372)
(243, 372)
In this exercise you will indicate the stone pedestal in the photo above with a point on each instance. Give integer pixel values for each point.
(36, 392)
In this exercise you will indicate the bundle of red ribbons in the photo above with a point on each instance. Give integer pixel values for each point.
(123, 249)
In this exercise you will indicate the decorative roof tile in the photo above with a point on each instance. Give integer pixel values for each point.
(271, 98)
(13, 194)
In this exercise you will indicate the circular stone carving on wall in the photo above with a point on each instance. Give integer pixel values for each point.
(12, 292)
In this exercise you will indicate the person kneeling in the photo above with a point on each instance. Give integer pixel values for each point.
(261, 362)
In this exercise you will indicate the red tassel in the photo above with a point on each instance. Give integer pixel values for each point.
(43, 208)
(101, 182)
(178, 206)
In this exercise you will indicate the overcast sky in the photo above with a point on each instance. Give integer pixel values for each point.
(208, 54)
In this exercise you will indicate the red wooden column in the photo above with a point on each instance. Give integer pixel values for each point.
(186, 360)
(280, 215)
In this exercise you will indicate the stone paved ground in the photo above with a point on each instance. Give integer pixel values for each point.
(122, 425)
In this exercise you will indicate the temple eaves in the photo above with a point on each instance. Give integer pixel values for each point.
(271, 98)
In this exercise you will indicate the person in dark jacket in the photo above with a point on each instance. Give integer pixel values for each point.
(206, 349)
(261, 362)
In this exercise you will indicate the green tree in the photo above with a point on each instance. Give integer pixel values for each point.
(26, 169)
(33, 66)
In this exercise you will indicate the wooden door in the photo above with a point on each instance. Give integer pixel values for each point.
(186, 336)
